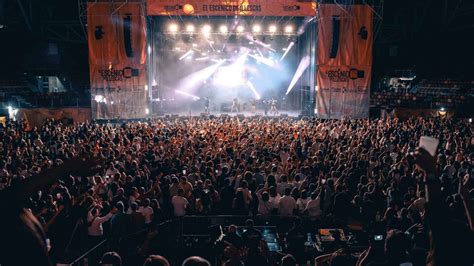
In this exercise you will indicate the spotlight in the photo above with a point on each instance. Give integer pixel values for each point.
(146, 87)
(100, 99)
(190, 28)
(288, 29)
(240, 29)
(223, 29)
(206, 29)
(147, 111)
(272, 28)
(256, 28)
(173, 27)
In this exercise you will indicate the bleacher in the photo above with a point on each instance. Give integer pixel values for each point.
(427, 94)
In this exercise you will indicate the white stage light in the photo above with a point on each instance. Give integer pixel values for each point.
(149, 49)
(206, 29)
(252, 87)
(146, 87)
(12, 112)
(100, 99)
(256, 28)
(154, 83)
(186, 55)
(231, 75)
(177, 48)
(147, 111)
(287, 50)
(187, 94)
(173, 27)
(304, 63)
(288, 29)
(272, 28)
(223, 29)
(190, 28)
(240, 29)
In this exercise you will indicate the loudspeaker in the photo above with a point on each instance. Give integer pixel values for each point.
(127, 35)
(336, 28)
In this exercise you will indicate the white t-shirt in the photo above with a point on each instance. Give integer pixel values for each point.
(287, 205)
(264, 208)
(301, 203)
(179, 205)
(274, 202)
(314, 207)
(147, 212)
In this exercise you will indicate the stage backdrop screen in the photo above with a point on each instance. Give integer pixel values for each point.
(344, 61)
(298, 8)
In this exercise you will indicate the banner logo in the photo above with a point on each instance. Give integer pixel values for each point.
(363, 33)
(188, 9)
(99, 32)
(344, 75)
(112, 74)
(291, 8)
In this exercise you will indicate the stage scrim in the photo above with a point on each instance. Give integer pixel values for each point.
(344, 59)
(229, 8)
(117, 59)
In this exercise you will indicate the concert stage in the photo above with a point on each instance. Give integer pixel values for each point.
(303, 54)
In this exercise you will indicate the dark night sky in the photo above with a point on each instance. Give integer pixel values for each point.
(416, 30)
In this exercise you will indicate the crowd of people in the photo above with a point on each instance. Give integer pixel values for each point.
(77, 185)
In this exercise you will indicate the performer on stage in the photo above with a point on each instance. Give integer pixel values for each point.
(266, 105)
(206, 105)
(253, 106)
(235, 105)
(273, 108)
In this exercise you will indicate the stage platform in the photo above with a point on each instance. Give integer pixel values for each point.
(229, 114)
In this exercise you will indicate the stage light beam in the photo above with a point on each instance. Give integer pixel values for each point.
(287, 50)
(185, 55)
(194, 97)
(304, 63)
(252, 88)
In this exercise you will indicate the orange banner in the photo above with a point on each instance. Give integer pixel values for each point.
(298, 8)
(117, 57)
(344, 60)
